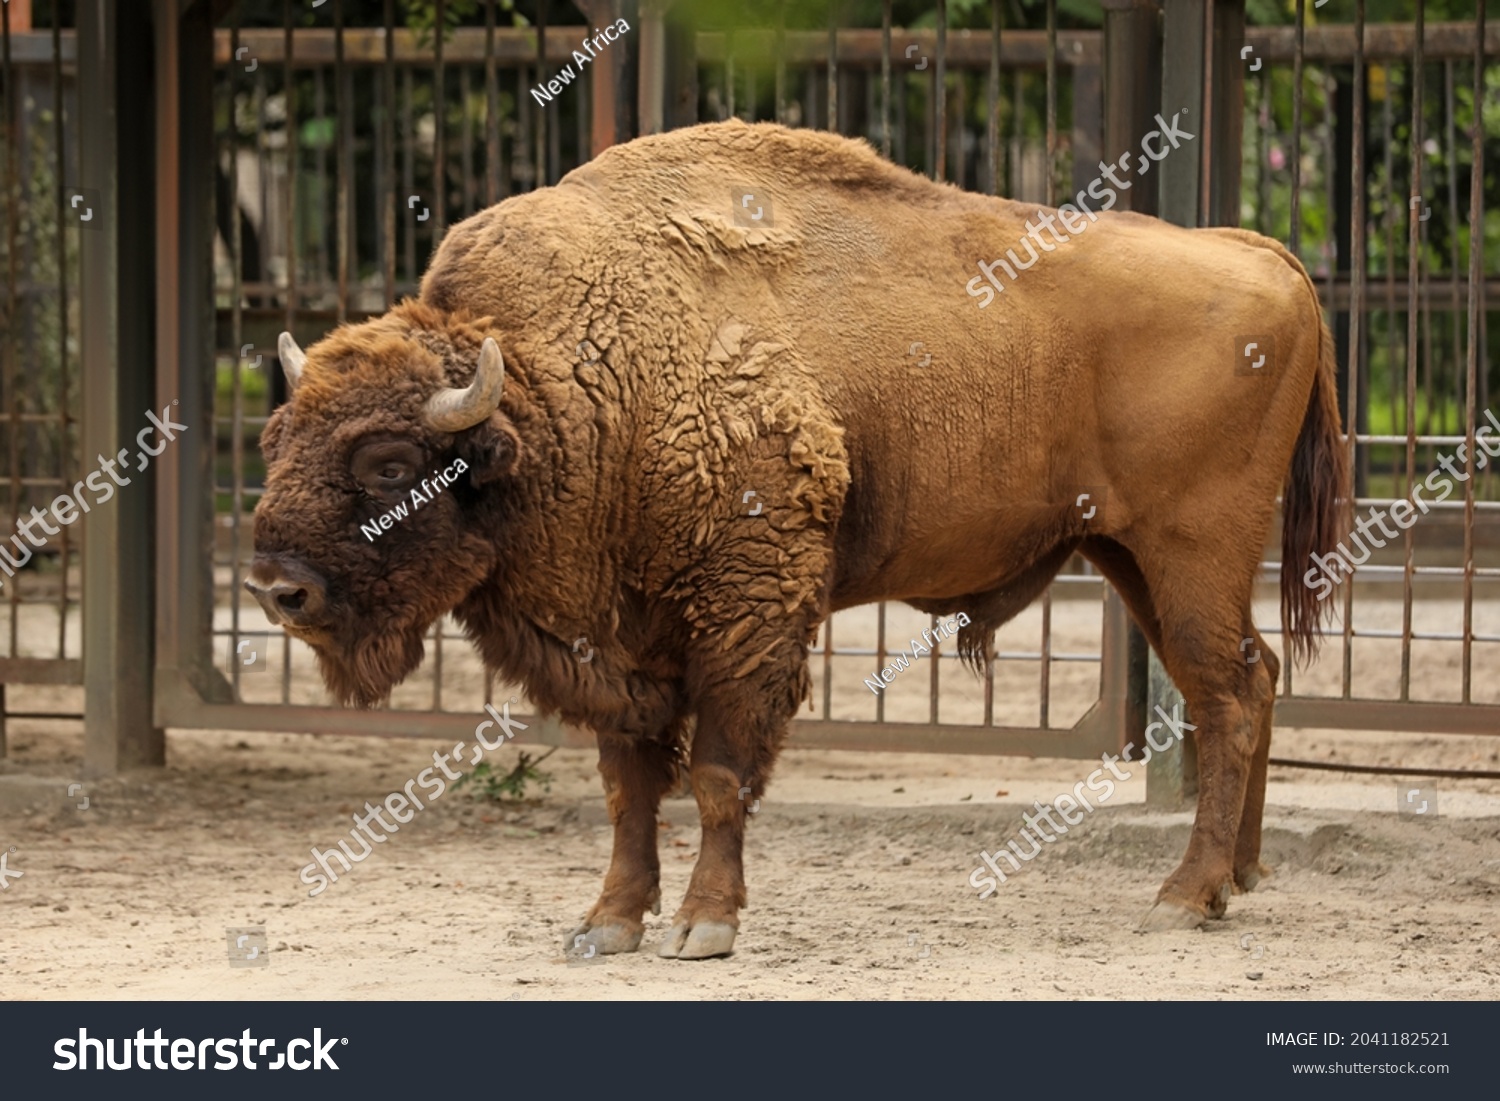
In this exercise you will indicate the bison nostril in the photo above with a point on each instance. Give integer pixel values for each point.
(290, 593)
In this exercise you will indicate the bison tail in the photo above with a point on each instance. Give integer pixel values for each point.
(1316, 494)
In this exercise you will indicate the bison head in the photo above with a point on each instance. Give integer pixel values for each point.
(384, 472)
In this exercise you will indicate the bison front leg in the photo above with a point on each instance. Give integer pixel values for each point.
(637, 772)
(741, 726)
(732, 752)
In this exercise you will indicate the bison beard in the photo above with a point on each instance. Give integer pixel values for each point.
(365, 677)
(727, 362)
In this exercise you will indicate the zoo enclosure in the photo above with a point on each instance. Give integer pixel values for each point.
(295, 169)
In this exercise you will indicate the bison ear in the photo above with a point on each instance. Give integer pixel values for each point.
(491, 450)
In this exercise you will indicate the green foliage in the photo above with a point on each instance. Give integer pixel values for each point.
(421, 16)
(494, 786)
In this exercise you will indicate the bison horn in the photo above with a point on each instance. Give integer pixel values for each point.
(292, 360)
(453, 410)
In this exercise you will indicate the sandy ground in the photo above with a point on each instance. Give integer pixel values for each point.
(858, 864)
(858, 867)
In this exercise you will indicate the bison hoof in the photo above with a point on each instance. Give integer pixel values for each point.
(607, 939)
(1246, 878)
(701, 941)
(1169, 914)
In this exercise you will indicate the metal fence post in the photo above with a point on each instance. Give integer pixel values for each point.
(116, 260)
(185, 368)
(652, 51)
(1133, 90)
(1171, 776)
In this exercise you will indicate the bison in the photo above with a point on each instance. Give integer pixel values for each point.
(621, 363)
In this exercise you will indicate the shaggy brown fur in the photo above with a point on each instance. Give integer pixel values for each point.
(607, 499)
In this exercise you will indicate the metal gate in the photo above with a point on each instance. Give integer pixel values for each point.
(307, 160)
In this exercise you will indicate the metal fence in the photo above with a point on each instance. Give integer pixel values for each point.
(345, 141)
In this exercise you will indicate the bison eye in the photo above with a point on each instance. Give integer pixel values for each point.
(386, 467)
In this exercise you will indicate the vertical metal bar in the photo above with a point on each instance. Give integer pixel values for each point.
(833, 67)
(933, 673)
(779, 52)
(1475, 334)
(237, 329)
(1413, 278)
(522, 149)
(492, 173)
(262, 155)
(812, 108)
(989, 682)
(871, 107)
(184, 344)
(7, 350)
(511, 167)
(1450, 158)
(439, 126)
(342, 140)
(12, 309)
(583, 124)
(827, 667)
(290, 95)
(1044, 687)
(1225, 118)
(554, 133)
(1426, 367)
(1051, 111)
(1017, 158)
(1133, 77)
(408, 171)
(956, 140)
(466, 141)
(320, 111)
(1330, 158)
(1204, 213)
(126, 303)
(1189, 37)
(992, 103)
(604, 95)
(1262, 143)
(1357, 262)
(940, 95)
(65, 429)
(388, 149)
(1392, 203)
(379, 180)
(885, 80)
(539, 179)
(899, 134)
(290, 323)
(729, 80)
(652, 90)
(1294, 232)
(1123, 710)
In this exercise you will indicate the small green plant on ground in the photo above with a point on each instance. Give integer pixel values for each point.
(496, 786)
